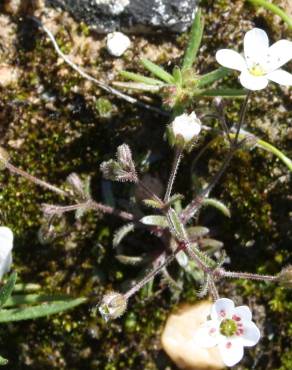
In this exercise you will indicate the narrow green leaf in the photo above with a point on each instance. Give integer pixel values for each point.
(3, 361)
(7, 289)
(213, 76)
(272, 149)
(152, 203)
(197, 231)
(34, 312)
(140, 78)
(228, 92)
(137, 86)
(176, 224)
(213, 243)
(121, 233)
(194, 41)
(217, 204)
(157, 71)
(21, 299)
(154, 220)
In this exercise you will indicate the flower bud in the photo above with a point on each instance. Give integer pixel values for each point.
(285, 277)
(183, 131)
(113, 305)
(123, 169)
(124, 157)
(4, 158)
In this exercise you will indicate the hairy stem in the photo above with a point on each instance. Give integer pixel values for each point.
(90, 204)
(35, 180)
(246, 275)
(149, 276)
(174, 169)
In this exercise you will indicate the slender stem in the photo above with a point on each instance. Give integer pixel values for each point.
(242, 116)
(213, 289)
(34, 179)
(191, 209)
(151, 275)
(247, 275)
(174, 169)
(90, 204)
(100, 84)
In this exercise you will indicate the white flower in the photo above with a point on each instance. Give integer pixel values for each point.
(260, 62)
(230, 328)
(117, 43)
(184, 129)
(6, 244)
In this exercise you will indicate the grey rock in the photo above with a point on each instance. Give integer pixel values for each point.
(137, 16)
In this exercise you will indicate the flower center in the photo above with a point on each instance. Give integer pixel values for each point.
(257, 70)
(228, 327)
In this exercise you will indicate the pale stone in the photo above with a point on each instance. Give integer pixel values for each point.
(117, 43)
(8, 75)
(178, 339)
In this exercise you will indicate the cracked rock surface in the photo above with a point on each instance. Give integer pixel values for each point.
(131, 15)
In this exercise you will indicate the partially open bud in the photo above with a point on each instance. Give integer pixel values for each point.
(124, 157)
(121, 170)
(113, 305)
(183, 131)
(285, 277)
(4, 158)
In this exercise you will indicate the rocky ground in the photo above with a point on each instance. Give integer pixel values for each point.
(53, 123)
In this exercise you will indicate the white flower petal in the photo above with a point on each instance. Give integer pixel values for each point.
(281, 77)
(278, 54)
(222, 309)
(6, 244)
(252, 82)
(6, 238)
(231, 351)
(256, 44)
(5, 265)
(230, 59)
(243, 313)
(207, 335)
(251, 334)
